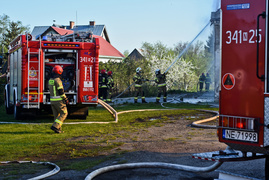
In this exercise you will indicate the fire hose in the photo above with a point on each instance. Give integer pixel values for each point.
(199, 122)
(48, 174)
(153, 165)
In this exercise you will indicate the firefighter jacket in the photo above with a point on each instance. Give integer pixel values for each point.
(103, 81)
(207, 79)
(138, 79)
(160, 80)
(110, 82)
(56, 89)
(202, 78)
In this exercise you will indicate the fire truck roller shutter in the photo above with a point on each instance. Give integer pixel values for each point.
(68, 78)
(48, 71)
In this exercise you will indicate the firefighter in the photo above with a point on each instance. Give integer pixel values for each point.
(207, 82)
(103, 85)
(138, 79)
(161, 82)
(110, 85)
(201, 81)
(58, 99)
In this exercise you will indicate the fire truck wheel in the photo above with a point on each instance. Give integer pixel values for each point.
(86, 113)
(9, 109)
(17, 111)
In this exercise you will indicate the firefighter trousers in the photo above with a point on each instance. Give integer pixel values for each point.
(201, 86)
(139, 90)
(109, 95)
(103, 93)
(207, 86)
(160, 91)
(59, 110)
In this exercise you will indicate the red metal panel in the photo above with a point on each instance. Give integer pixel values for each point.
(243, 95)
(88, 84)
(34, 71)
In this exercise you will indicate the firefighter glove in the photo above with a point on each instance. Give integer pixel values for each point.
(65, 100)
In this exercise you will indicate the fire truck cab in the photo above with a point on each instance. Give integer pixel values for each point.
(244, 95)
(30, 64)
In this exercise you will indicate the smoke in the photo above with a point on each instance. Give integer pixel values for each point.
(215, 66)
(215, 5)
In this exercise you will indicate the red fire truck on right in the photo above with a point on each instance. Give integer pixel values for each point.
(244, 95)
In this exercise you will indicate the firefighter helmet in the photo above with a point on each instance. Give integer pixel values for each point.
(57, 69)
(138, 70)
(103, 71)
(157, 71)
(109, 73)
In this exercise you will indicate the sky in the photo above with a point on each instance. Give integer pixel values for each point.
(129, 23)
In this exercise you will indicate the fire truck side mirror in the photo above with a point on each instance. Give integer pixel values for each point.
(29, 37)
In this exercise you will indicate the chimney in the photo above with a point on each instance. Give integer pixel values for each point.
(72, 24)
(92, 23)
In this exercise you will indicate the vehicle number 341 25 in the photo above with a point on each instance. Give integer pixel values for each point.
(240, 36)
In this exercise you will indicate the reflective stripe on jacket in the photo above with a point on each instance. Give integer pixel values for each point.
(138, 79)
(160, 80)
(103, 81)
(55, 85)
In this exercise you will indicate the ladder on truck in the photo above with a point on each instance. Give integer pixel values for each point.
(30, 63)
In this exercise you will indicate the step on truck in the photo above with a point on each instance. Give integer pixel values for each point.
(30, 64)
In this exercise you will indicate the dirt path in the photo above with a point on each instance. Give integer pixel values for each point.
(171, 142)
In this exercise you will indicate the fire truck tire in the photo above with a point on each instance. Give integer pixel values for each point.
(8, 107)
(17, 110)
(86, 112)
(267, 167)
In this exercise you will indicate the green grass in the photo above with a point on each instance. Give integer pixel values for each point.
(38, 142)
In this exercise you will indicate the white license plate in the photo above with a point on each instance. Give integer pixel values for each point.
(240, 135)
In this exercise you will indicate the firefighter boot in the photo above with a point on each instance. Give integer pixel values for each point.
(144, 101)
(164, 99)
(56, 130)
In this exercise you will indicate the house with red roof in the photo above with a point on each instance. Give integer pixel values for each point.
(56, 30)
(107, 50)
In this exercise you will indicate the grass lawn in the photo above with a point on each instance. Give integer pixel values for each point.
(38, 143)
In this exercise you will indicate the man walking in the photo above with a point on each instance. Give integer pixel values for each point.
(58, 99)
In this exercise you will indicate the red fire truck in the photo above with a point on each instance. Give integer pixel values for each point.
(30, 65)
(244, 95)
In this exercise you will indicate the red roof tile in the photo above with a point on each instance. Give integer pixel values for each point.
(106, 49)
(62, 31)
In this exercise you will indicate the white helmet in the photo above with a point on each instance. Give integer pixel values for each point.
(157, 71)
(138, 70)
